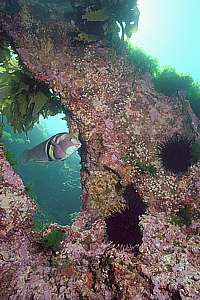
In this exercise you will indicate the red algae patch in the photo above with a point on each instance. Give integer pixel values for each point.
(118, 116)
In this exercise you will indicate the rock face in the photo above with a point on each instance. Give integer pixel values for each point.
(120, 120)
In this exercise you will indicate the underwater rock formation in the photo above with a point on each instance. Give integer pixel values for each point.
(121, 120)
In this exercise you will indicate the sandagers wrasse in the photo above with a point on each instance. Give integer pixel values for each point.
(57, 147)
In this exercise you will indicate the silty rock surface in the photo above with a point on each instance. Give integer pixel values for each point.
(118, 115)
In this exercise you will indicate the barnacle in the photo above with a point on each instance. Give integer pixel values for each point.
(176, 154)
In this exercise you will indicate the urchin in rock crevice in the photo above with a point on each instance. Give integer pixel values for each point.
(123, 228)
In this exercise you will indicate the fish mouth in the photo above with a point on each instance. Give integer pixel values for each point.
(78, 145)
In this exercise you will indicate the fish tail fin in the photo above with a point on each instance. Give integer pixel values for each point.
(25, 157)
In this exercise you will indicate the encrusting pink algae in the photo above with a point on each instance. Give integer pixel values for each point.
(121, 119)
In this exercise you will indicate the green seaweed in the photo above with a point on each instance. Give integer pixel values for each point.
(166, 80)
(39, 226)
(145, 168)
(193, 95)
(82, 36)
(182, 217)
(142, 62)
(169, 82)
(10, 156)
(195, 152)
(140, 166)
(127, 158)
(101, 14)
(29, 190)
(23, 98)
(53, 239)
(185, 215)
(97, 21)
(7, 136)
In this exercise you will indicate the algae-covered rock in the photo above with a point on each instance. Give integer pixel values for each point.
(116, 112)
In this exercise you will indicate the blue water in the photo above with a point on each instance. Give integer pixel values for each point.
(55, 186)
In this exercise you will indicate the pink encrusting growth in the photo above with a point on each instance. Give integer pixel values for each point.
(121, 121)
(8, 176)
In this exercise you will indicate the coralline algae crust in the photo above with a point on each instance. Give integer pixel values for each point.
(117, 114)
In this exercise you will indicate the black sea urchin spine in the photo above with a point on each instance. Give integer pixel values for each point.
(175, 154)
(123, 227)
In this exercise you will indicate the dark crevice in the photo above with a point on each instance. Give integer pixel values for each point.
(113, 171)
(123, 227)
(83, 153)
(110, 280)
(176, 295)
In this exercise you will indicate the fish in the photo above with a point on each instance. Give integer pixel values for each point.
(56, 148)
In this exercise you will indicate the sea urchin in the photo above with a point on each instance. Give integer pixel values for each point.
(123, 227)
(176, 154)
